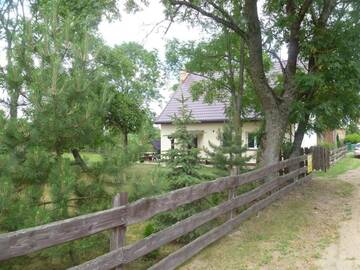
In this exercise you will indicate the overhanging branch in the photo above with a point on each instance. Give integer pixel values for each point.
(226, 20)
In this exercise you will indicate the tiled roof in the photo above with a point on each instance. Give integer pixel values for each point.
(200, 110)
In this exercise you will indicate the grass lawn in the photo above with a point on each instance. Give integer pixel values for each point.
(343, 165)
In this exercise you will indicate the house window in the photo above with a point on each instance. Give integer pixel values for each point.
(172, 142)
(252, 142)
(195, 142)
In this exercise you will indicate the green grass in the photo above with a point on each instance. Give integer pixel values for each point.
(342, 166)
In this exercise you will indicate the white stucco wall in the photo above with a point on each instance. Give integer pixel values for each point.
(207, 132)
(310, 139)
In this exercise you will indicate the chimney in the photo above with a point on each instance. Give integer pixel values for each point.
(183, 76)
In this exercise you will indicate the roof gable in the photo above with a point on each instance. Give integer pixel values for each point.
(200, 110)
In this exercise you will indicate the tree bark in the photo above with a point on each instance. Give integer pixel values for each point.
(276, 111)
(78, 159)
(299, 136)
(275, 127)
(126, 139)
(14, 98)
(276, 107)
(237, 90)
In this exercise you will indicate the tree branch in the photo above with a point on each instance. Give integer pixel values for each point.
(277, 57)
(229, 24)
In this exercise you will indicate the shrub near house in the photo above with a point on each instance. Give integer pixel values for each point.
(352, 138)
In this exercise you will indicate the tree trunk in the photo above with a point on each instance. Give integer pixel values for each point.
(276, 107)
(240, 94)
(276, 111)
(275, 128)
(78, 159)
(299, 136)
(126, 139)
(14, 98)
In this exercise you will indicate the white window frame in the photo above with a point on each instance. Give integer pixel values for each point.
(255, 141)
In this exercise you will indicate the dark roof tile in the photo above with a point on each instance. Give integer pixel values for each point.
(200, 110)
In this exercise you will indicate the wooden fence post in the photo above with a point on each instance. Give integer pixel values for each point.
(231, 192)
(118, 233)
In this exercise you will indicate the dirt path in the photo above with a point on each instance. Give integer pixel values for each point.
(344, 254)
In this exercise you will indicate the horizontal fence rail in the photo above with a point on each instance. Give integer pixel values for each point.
(337, 154)
(153, 242)
(183, 254)
(29, 240)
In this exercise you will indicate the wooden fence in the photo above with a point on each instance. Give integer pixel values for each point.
(285, 175)
(337, 154)
(323, 158)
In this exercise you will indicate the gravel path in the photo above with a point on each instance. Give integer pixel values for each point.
(344, 254)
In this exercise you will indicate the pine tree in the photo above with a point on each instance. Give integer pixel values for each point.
(230, 153)
(183, 159)
(183, 163)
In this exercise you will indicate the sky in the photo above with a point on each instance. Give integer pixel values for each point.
(148, 28)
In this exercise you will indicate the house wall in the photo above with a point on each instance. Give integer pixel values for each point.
(207, 132)
(341, 133)
(310, 139)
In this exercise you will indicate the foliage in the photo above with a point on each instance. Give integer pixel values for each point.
(218, 61)
(68, 98)
(132, 76)
(147, 135)
(150, 184)
(328, 145)
(286, 149)
(150, 229)
(310, 30)
(230, 153)
(352, 128)
(352, 138)
(132, 70)
(124, 113)
(221, 61)
(183, 170)
(183, 158)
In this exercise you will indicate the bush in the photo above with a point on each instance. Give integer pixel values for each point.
(149, 230)
(352, 138)
(328, 145)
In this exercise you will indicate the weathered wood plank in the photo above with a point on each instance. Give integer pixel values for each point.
(153, 242)
(183, 254)
(146, 208)
(118, 233)
(29, 240)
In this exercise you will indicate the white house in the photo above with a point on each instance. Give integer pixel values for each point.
(210, 118)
